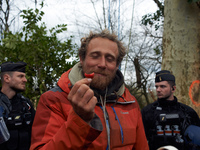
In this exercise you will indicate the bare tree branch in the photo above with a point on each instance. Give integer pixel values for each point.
(104, 14)
(99, 22)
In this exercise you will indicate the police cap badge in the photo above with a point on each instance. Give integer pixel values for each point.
(164, 75)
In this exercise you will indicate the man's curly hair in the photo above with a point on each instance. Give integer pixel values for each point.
(103, 34)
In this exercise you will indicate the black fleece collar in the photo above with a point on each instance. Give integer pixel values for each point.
(165, 103)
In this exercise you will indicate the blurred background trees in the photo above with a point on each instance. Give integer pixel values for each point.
(47, 57)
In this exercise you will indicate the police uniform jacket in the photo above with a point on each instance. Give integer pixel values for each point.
(165, 122)
(18, 115)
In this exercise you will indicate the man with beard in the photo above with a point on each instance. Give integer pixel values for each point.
(16, 111)
(90, 112)
(166, 119)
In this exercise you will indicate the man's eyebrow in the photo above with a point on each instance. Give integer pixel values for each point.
(107, 54)
(95, 52)
(160, 85)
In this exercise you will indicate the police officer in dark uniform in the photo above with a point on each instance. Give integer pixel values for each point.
(166, 119)
(16, 111)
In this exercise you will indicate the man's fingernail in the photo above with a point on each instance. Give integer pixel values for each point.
(89, 79)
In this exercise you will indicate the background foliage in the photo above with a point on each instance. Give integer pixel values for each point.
(46, 56)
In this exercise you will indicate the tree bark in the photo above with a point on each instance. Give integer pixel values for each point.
(181, 49)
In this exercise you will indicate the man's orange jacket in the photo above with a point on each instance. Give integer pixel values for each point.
(58, 127)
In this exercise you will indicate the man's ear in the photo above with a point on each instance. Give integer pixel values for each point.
(81, 60)
(173, 88)
(6, 77)
(118, 66)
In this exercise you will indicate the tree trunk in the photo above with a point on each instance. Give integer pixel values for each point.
(181, 49)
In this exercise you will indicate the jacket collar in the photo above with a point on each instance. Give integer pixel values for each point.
(164, 103)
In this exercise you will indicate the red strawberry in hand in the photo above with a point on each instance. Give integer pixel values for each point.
(89, 75)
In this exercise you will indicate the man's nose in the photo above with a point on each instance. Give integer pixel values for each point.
(102, 62)
(158, 89)
(24, 79)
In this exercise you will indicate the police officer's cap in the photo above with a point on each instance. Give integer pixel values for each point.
(164, 75)
(13, 66)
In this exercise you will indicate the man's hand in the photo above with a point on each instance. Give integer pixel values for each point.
(82, 99)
